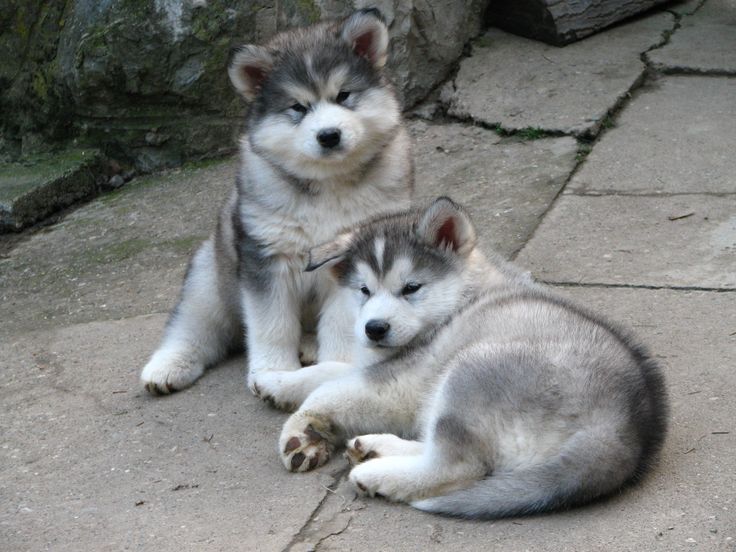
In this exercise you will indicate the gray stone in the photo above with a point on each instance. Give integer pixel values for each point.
(688, 495)
(506, 184)
(558, 22)
(684, 7)
(704, 43)
(682, 240)
(33, 190)
(91, 462)
(122, 75)
(675, 136)
(116, 181)
(518, 83)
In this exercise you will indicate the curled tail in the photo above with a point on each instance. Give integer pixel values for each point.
(591, 464)
(516, 493)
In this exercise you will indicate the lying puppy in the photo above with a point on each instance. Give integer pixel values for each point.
(482, 394)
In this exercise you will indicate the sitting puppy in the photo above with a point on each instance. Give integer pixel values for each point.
(478, 393)
(324, 148)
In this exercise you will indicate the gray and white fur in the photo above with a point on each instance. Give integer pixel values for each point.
(478, 393)
(324, 148)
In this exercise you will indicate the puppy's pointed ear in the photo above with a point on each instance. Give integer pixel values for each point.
(330, 254)
(446, 225)
(248, 69)
(367, 34)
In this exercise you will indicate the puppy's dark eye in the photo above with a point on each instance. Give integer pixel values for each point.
(342, 96)
(365, 291)
(299, 108)
(410, 288)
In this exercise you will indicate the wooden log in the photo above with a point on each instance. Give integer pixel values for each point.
(560, 22)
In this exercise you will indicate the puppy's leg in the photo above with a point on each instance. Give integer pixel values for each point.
(367, 447)
(335, 327)
(347, 406)
(272, 316)
(202, 328)
(439, 468)
(287, 390)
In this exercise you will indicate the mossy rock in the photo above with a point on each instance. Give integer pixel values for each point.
(32, 190)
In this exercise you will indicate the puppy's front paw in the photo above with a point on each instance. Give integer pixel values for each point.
(359, 450)
(270, 387)
(304, 449)
(168, 372)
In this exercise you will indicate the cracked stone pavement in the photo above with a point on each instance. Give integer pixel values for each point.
(625, 200)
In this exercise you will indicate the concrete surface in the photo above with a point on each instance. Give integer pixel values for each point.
(88, 461)
(519, 83)
(507, 184)
(697, 144)
(683, 241)
(705, 42)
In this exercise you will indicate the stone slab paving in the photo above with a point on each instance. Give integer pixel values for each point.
(121, 255)
(625, 240)
(697, 143)
(518, 83)
(506, 184)
(89, 461)
(705, 42)
(686, 7)
(686, 503)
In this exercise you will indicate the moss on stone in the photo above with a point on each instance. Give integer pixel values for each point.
(117, 252)
(309, 10)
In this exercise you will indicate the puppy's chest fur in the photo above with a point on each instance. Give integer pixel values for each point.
(287, 217)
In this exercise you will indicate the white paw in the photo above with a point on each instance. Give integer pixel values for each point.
(389, 477)
(274, 387)
(169, 372)
(305, 444)
(367, 447)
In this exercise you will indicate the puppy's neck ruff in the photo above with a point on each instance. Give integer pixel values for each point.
(353, 175)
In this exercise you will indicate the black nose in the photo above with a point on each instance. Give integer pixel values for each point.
(376, 329)
(329, 137)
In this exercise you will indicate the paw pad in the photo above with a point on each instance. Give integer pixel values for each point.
(306, 451)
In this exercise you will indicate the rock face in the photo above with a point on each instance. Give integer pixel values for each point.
(147, 80)
(560, 23)
(29, 192)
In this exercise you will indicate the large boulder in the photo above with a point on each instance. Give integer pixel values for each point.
(146, 81)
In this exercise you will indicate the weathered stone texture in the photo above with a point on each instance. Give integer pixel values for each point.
(30, 192)
(619, 240)
(147, 80)
(560, 22)
(564, 90)
(705, 42)
(676, 136)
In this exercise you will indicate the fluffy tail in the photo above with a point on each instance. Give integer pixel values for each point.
(588, 466)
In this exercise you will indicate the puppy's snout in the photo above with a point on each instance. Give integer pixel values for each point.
(376, 329)
(329, 137)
